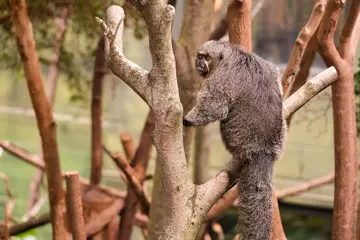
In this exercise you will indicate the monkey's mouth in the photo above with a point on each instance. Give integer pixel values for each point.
(202, 71)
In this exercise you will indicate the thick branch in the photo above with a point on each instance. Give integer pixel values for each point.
(128, 71)
(326, 34)
(74, 206)
(128, 145)
(45, 121)
(308, 91)
(303, 73)
(350, 33)
(301, 42)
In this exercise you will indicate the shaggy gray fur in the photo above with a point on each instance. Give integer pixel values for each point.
(243, 91)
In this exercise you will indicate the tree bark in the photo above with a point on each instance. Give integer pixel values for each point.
(45, 121)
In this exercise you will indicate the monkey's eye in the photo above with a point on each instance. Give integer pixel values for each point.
(207, 58)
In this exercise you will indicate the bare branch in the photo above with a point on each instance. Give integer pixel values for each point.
(34, 210)
(34, 161)
(30, 224)
(74, 205)
(129, 145)
(139, 164)
(92, 227)
(303, 73)
(95, 225)
(9, 203)
(304, 187)
(23, 154)
(308, 91)
(128, 71)
(132, 178)
(223, 203)
(300, 44)
(257, 8)
(326, 34)
(350, 33)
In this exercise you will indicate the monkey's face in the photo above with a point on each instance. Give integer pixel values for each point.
(206, 62)
(202, 63)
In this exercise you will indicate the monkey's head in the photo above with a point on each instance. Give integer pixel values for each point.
(209, 56)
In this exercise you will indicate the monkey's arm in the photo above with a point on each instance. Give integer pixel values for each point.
(209, 108)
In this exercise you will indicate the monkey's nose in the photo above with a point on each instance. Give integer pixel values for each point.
(202, 64)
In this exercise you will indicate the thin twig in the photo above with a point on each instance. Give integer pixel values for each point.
(34, 210)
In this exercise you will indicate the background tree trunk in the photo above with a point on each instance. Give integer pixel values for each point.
(45, 121)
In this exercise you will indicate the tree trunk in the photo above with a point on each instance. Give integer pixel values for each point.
(202, 155)
(344, 113)
(61, 23)
(96, 113)
(45, 121)
(195, 31)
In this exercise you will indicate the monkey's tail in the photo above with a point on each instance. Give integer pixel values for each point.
(255, 189)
